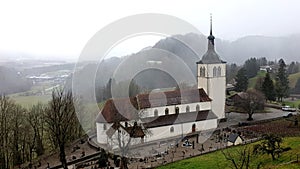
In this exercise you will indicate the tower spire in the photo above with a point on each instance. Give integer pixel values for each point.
(210, 24)
(211, 38)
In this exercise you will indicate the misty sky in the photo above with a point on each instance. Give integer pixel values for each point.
(60, 29)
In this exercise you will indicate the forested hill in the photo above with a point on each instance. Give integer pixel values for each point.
(191, 47)
(12, 82)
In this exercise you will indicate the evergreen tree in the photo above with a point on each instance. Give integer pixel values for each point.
(252, 67)
(231, 71)
(293, 68)
(241, 81)
(282, 81)
(268, 88)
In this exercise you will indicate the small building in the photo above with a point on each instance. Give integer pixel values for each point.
(234, 139)
(236, 98)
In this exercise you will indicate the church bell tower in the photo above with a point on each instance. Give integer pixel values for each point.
(211, 76)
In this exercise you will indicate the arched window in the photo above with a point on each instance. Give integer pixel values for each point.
(177, 110)
(172, 129)
(214, 72)
(194, 127)
(166, 111)
(104, 127)
(155, 113)
(201, 71)
(197, 108)
(219, 71)
(187, 109)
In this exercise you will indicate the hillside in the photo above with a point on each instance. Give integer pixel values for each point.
(293, 79)
(217, 160)
(189, 48)
(12, 81)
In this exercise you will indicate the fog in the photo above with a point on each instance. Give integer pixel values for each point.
(60, 30)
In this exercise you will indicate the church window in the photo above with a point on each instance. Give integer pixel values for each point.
(104, 127)
(197, 108)
(155, 112)
(219, 71)
(177, 110)
(214, 72)
(172, 129)
(166, 111)
(187, 108)
(201, 71)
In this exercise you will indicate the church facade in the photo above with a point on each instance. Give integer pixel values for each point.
(171, 113)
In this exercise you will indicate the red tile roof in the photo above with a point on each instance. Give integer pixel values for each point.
(171, 119)
(137, 133)
(126, 109)
(110, 112)
(172, 98)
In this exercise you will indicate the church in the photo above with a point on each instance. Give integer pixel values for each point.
(161, 115)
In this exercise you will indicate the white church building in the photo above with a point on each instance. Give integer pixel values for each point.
(171, 113)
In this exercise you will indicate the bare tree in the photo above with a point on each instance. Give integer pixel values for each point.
(252, 101)
(270, 145)
(61, 121)
(240, 158)
(35, 119)
(6, 106)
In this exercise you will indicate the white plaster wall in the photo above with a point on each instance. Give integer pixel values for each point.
(238, 141)
(217, 92)
(101, 133)
(158, 132)
(149, 112)
(164, 132)
(202, 83)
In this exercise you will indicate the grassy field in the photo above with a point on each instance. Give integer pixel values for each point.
(292, 79)
(216, 160)
(28, 101)
(292, 103)
(252, 81)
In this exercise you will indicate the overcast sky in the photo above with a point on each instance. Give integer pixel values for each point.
(62, 28)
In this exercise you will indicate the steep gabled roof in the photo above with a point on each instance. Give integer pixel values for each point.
(211, 56)
(117, 110)
(172, 98)
(232, 137)
(171, 119)
(137, 133)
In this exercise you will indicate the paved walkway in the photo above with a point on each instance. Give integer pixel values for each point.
(234, 118)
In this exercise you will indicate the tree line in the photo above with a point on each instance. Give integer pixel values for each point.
(27, 133)
(274, 85)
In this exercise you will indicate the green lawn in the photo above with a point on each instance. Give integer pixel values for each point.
(252, 81)
(28, 101)
(292, 79)
(293, 103)
(216, 160)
